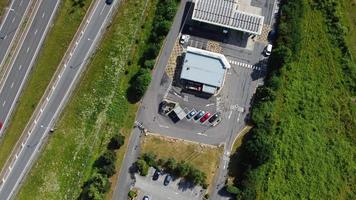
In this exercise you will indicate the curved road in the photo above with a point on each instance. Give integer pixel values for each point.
(56, 97)
(8, 29)
(24, 59)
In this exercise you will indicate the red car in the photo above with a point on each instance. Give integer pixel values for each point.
(0, 125)
(205, 117)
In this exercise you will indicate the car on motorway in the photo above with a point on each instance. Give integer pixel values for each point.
(0, 125)
(268, 50)
(191, 114)
(199, 115)
(146, 198)
(109, 2)
(167, 180)
(214, 117)
(156, 175)
(205, 117)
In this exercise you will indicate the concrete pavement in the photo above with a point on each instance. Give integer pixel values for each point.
(56, 97)
(10, 26)
(24, 59)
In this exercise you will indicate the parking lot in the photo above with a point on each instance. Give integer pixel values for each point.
(175, 190)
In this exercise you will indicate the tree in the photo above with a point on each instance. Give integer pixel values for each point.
(95, 187)
(142, 167)
(107, 158)
(150, 159)
(232, 189)
(149, 64)
(183, 169)
(139, 85)
(171, 164)
(132, 194)
(116, 141)
(197, 176)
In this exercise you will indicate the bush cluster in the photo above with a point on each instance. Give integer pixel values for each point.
(162, 22)
(179, 169)
(104, 168)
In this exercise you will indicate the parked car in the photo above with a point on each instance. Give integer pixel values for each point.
(216, 122)
(191, 114)
(214, 117)
(156, 175)
(167, 180)
(146, 198)
(268, 50)
(205, 117)
(199, 115)
(109, 2)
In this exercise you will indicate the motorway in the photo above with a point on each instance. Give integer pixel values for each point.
(8, 29)
(56, 97)
(24, 59)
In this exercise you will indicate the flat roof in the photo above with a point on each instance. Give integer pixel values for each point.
(225, 13)
(204, 67)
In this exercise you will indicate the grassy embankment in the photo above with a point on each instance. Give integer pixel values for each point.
(204, 158)
(302, 145)
(60, 35)
(3, 4)
(97, 110)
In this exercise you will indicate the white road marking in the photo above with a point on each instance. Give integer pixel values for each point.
(230, 114)
(43, 14)
(28, 49)
(12, 85)
(202, 134)
(36, 31)
(3, 104)
(13, 19)
(207, 105)
(20, 67)
(163, 126)
(101, 12)
(20, 3)
(238, 117)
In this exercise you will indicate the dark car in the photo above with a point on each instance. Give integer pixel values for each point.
(191, 114)
(109, 2)
(205, 117)
(199, 115)
(156, 175)
(167, 180)
(0, 125)
(214, 117)
(146, 198)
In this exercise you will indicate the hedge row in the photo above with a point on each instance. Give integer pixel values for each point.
(104, 168)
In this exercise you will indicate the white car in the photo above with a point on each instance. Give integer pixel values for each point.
(268, 50)
(184, 39)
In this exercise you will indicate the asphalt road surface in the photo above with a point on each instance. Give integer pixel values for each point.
(57, 96)
(8, 29)
(24, 59)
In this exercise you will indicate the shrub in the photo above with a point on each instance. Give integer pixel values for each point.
(170, 164)
(149, 64)
(132, 194)
(183, 169)
(95, 187)
(232, 189)
(139, 85)
(142, 167)
(116, 141)
(150, 159)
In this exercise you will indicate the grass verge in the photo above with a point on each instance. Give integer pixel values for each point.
(98, 109)
(204, 157)
(65, 26)
(350, 14)
(3, 4)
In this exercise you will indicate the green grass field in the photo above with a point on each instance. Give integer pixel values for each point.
(3, 4)
(97, 110)
(303, 142)
(54, 47)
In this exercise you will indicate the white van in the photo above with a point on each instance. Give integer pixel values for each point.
(268, 50)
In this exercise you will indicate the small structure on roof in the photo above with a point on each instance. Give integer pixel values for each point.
(225, 13)
(203, 71)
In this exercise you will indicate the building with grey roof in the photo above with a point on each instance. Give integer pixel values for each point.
(226, 13)
(204, 68)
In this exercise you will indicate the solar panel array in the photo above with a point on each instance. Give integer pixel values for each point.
(225, 13)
